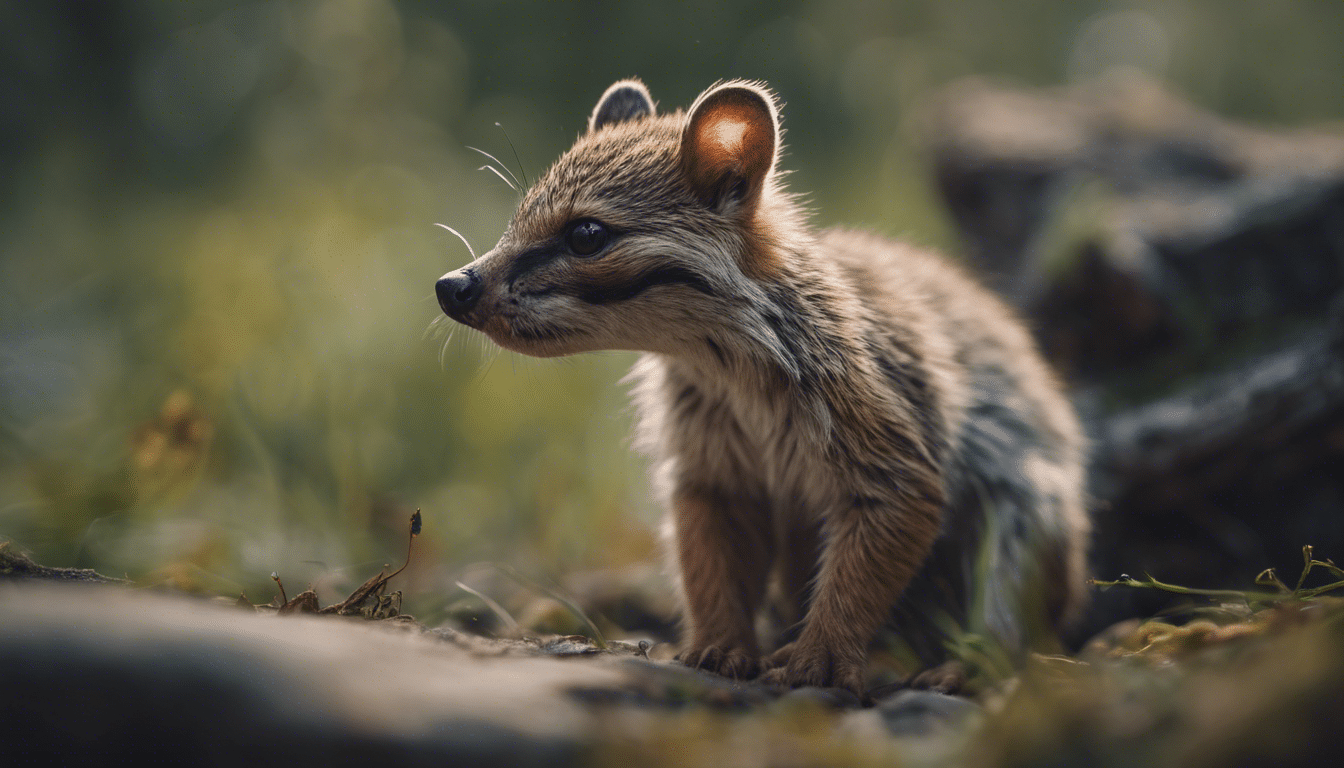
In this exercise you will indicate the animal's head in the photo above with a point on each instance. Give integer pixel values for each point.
(647, 234)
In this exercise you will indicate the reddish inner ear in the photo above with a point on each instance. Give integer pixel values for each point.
(730, 140)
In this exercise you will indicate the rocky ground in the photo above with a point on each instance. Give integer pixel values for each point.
(94, 673)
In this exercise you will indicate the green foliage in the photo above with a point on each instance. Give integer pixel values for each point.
(555, 594)
(1252, 599)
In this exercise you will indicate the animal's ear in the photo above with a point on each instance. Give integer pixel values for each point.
(624, 100)
(729, 144)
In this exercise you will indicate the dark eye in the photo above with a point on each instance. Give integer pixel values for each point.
(587, 237)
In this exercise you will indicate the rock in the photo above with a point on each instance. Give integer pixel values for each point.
(830, 698)
(92, 674)
(15, 564)
(1175, 182)
(921, 713)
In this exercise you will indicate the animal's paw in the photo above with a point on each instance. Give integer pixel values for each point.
(780, 658)
(948, 677)
(797, 665)
(724, 660)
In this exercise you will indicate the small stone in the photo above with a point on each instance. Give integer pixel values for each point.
(922, 713)
(830, 698)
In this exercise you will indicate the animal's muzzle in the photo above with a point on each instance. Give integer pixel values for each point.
(458, 293)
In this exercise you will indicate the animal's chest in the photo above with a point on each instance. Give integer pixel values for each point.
(781, 447)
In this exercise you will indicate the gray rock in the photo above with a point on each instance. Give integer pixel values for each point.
(911, 713)
(92, 675)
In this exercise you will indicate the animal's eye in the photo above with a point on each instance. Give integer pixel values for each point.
(587, 237)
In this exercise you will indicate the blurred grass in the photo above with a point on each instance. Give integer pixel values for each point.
(218, 251)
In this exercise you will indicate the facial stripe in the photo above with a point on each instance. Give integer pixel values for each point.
(607, 294)
(533, 259)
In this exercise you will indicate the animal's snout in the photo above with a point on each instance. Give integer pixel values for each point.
(458, 292)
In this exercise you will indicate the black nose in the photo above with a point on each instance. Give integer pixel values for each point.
(458, 292)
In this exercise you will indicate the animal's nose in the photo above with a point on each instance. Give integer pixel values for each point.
(458, 292)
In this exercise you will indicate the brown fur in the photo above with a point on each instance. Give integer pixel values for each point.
(850, 414)
(715, 551)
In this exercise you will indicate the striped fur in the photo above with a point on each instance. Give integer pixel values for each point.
(851, 416)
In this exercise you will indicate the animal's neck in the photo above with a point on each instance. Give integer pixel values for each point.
(796, 338)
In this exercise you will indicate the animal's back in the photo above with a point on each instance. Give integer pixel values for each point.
(1017, 525)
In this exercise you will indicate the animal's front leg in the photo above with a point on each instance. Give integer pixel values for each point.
(873, 550)
(724, 548)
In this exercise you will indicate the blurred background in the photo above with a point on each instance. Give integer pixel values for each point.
(217, 249)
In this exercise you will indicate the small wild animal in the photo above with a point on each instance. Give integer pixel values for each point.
(843, 427)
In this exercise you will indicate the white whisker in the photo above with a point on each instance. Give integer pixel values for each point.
(516, 158)
(470, 250)
(443, 350)
(435, 327)
(494, 170)
(501, 165)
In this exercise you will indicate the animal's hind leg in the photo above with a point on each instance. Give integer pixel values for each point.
(1022, 584)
